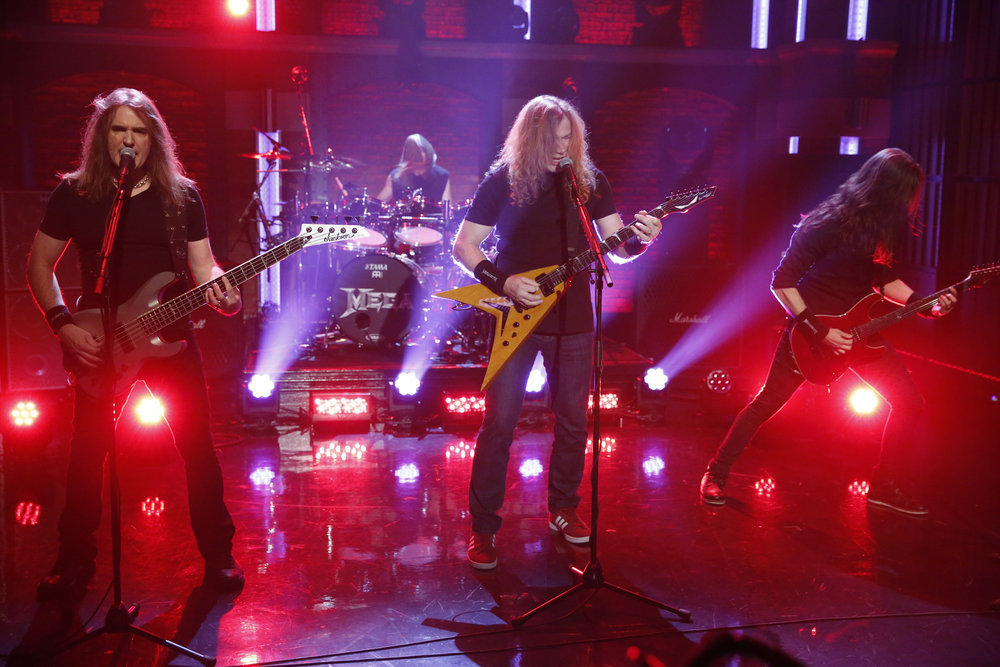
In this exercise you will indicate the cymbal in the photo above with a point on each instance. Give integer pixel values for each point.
(333, 162)
(270, 155)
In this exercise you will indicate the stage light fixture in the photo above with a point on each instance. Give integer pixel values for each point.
(334, 407)
(863, 401)
(719, 381)
(149, 411)
(609, 401)
(407, 383)
(24, 414)
(655, 379)
(462, 405)
(260, 399)
(238, 8)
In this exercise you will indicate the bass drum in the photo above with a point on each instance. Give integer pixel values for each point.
(377, 299)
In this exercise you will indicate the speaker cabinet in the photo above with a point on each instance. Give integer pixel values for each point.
(33, 355)
(21, 212)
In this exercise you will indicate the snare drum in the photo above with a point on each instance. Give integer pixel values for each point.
(377, 299)
(364, 212)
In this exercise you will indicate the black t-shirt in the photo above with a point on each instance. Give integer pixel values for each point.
(142, 249)
(831, 275)
(541, 234)
(431, 184)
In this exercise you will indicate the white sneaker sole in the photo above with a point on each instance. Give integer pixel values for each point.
(568, 538)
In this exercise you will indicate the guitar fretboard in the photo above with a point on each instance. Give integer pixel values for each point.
(550, 281)
(171, 311)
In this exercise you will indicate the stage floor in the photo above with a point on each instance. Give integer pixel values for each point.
(354, 550)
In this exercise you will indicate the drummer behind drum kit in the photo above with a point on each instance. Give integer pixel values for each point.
(381, 282)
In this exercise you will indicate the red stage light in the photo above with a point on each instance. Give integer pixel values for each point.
(24, 414)
(149, 411)
(764, 486)
(858, 488)
(27, 513)
(608, 402)
(340, 407)
(153, 507)
(465, 405)
(238, 8)
(863, 401)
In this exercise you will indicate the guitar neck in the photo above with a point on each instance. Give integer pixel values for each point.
(557, 276)
(873, 326)
(170, 311)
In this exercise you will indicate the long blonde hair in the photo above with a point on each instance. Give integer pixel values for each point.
(529, 145)
(94, 178)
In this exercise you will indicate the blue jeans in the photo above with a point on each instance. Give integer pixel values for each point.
(887, 375)
(569, 365)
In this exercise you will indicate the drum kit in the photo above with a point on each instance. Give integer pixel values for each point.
(375, 290)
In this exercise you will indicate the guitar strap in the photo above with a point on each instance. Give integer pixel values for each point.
(176, 221)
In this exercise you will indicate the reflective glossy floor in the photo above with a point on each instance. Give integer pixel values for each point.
(354, 549)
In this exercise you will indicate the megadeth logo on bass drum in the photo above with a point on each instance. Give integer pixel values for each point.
(363, 299)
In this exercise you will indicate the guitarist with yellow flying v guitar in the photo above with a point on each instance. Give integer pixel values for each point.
(526, 199)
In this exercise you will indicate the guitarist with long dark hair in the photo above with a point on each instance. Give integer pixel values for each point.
(527, 201)
(163, 230)
(838, 254)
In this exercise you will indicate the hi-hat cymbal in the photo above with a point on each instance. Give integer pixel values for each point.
(270, 155)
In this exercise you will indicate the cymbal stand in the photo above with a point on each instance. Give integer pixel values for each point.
(254, 213)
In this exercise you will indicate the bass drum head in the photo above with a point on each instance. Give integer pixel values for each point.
(377, 298)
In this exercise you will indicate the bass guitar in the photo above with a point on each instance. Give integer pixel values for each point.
(817, 362)
(150, 310)
(514, 322)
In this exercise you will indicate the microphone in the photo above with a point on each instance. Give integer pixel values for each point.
(126, 162)
(566, 166)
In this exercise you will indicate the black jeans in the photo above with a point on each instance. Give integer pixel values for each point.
(569, 365)
(179, 383)
(887, 375)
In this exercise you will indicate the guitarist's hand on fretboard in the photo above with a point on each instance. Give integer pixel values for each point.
(523, 290)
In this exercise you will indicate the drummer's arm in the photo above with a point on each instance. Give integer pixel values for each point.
(466, 250)
(385, 194)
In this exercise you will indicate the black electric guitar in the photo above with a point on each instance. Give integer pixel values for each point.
(817, 362)
(514, 323)
(145, 313)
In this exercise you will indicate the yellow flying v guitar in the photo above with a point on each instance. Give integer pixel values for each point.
(146, 313)
(514, 323)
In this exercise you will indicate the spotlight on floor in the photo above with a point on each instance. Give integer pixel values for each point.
(27, 428)
(260, 400)
(406, 408)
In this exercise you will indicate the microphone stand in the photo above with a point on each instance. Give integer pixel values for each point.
(592, 575)
(120, 618)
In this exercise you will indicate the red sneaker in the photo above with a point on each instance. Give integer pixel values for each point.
(569, 523)
(482, 550)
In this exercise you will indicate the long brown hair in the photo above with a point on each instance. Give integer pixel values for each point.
(875, 205)
(528, 148)
(96, 173)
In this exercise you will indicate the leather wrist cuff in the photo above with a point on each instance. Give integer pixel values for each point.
(487, 273)
(634, 246)
(58, 317)
(810, 326)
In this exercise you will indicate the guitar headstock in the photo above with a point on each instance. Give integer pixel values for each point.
(678, 202)
(982, 274)
(316, 234)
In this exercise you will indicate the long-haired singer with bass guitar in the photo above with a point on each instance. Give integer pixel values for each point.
(525, 196)
(839, 254)
(162, 229)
